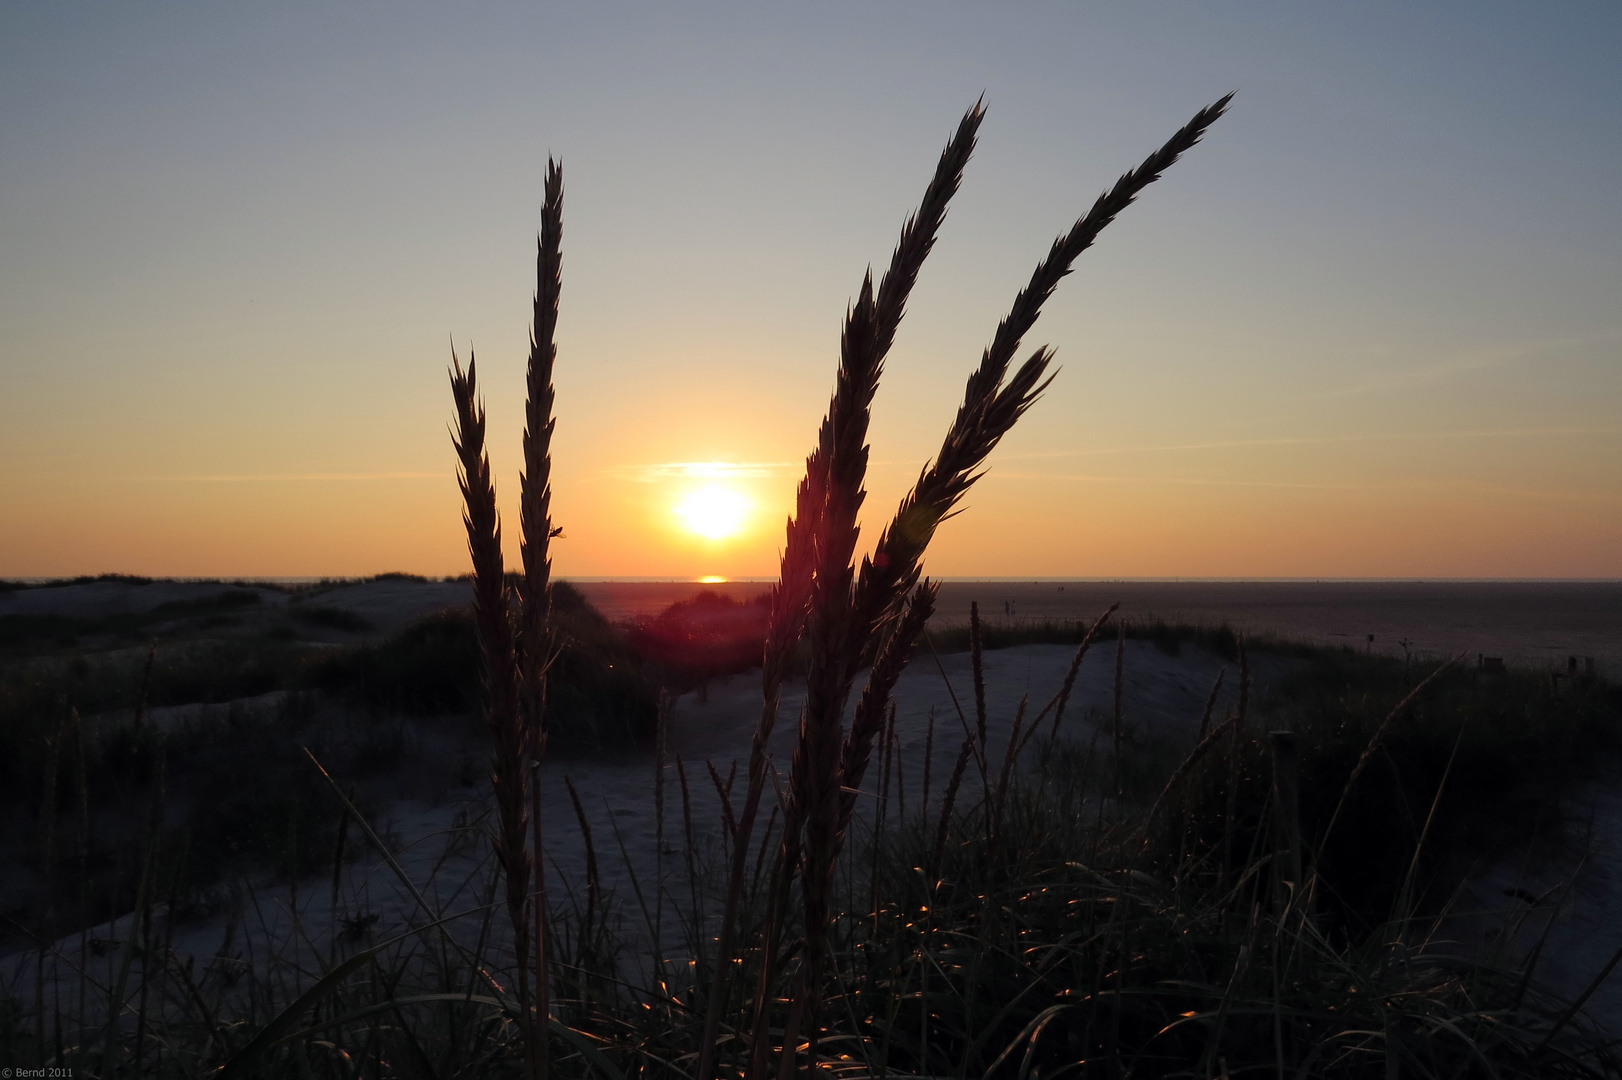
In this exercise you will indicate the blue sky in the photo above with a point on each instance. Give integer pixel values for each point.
(1369, 328)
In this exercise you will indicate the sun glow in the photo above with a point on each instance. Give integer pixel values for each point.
(713, 512)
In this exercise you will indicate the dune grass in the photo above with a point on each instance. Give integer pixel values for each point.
(1011, 925)
(601, 691)
(45, 632)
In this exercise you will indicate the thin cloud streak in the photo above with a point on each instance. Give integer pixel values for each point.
(705, 470)
(1188, 481)
(1322, 440)
(1503, 356)
(253, 478)
(1598, 494)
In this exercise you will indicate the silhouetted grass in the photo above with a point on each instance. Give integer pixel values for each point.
(82, 579)
(1517, 740)
(64, 631)
(429, 667)
(601, 692)
(1517, 746)
(1169, 637)
(329, 618)
(1017, 934)
(239, 799)
(704, 638)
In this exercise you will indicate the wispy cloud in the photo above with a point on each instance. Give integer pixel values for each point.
(1446, 487)
(1464, 363)
(1323, 440)
(706, 470)
(257, 478)
(1094, 478)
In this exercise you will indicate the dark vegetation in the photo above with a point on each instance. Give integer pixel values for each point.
(238, 783)
(429, 667)
(82, 579)
(704, 638)
(65, 631)
(603, 693)
(241, 794)
(1480, 759)
(330, 618)
(1169, 638)
(229, 796)
(1516, 743)
(1511, 742)
(242, 788)
(1017, 931)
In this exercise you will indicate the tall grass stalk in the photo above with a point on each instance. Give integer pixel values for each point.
(814, 581)
(1070, 674)
(1115, 707)
(534, 644)
(853, 615)
(516, 659)
(509, 758)
(1235, 738)
(47, 862)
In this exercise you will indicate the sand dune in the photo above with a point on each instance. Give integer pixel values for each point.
(441, 847)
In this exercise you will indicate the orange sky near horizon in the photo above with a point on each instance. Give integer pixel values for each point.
(1364, 330)
(1129, 520)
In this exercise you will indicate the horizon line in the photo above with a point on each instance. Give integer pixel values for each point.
(666, 579)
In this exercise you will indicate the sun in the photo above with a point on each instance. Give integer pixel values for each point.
(713, 512)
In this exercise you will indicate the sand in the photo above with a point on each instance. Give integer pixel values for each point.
(1535, 624)
(98, 599)
(441, 848)
(392, 604)
(1527, 623)
(1568, 900)
(1532, 624)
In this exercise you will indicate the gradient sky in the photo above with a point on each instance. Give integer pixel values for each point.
(1371, 327)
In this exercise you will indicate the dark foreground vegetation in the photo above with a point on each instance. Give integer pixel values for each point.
(91, 739)
(987, 925)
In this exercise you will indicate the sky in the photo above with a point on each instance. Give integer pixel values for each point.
(1369, 328)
